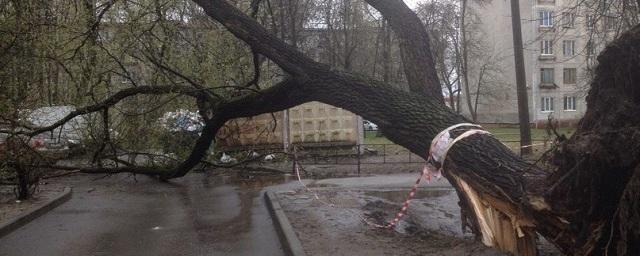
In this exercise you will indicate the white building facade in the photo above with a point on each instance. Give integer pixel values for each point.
(559, 52)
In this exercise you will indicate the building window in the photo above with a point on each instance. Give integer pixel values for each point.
(546, 47)
(589, 21)
(591, 61)
(546, 18)
(546, 1)
(610, 23)
(568, 19)
(568, 48)
(569, 103)
(546, 76)
(547, 104)
(569, 76)
(591, 49)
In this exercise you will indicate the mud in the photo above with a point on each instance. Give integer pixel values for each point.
(337, 228)
(11, 208)
(334, 225)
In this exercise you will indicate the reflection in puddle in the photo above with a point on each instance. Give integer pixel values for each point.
(434, 212)
(244, 180)
(224, 208)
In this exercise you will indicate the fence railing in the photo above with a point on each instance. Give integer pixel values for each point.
(361, 153)
(341, 154)
(364, 154)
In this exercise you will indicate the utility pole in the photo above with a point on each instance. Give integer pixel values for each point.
(523, 104)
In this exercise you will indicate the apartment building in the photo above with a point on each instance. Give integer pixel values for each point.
(561, 40)
(309, 124)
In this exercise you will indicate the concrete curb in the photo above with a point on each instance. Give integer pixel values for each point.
(288, 237)
(17, 222)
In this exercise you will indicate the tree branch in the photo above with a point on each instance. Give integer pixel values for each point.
(109, 102)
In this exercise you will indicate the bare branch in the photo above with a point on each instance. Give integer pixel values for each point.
(109, 102)
(257, 37)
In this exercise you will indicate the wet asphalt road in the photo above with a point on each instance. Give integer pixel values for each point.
(196, 215)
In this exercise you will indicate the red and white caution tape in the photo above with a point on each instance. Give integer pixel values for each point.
(427, 174)
(440, 146)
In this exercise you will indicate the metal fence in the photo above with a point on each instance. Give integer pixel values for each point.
(336, 154)
(357, 154)
(362, 154)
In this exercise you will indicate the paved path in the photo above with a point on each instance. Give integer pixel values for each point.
(195, 215)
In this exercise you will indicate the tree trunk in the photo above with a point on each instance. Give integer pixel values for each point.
(23, 183)
(464, 60)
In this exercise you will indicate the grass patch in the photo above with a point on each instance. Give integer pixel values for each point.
(510, 136)
(513, 134)
(373, 137)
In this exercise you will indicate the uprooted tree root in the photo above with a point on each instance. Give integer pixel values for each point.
(596, 185)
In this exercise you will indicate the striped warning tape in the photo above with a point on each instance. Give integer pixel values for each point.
(439, 151)
(426, 173)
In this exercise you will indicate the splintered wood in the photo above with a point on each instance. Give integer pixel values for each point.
(501, 225)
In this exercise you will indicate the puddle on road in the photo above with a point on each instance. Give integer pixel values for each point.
(227, 211)
(441, 218)
(398, 196)
(244, 180)
(257, 181)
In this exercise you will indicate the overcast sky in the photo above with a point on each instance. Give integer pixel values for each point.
(412, 3)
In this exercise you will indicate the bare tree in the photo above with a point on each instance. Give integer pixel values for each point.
(437, 16)
(462, 59)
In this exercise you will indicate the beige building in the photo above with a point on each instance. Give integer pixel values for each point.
(558, 56)
(312, 124)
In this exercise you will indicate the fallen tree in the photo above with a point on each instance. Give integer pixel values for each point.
(585, 205)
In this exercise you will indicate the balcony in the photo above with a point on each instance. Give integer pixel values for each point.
(546, 29)
(546, 57)
(548, 86)
(546, 2)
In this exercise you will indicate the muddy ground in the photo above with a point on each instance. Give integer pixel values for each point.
(333, 224)
(11, 208)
